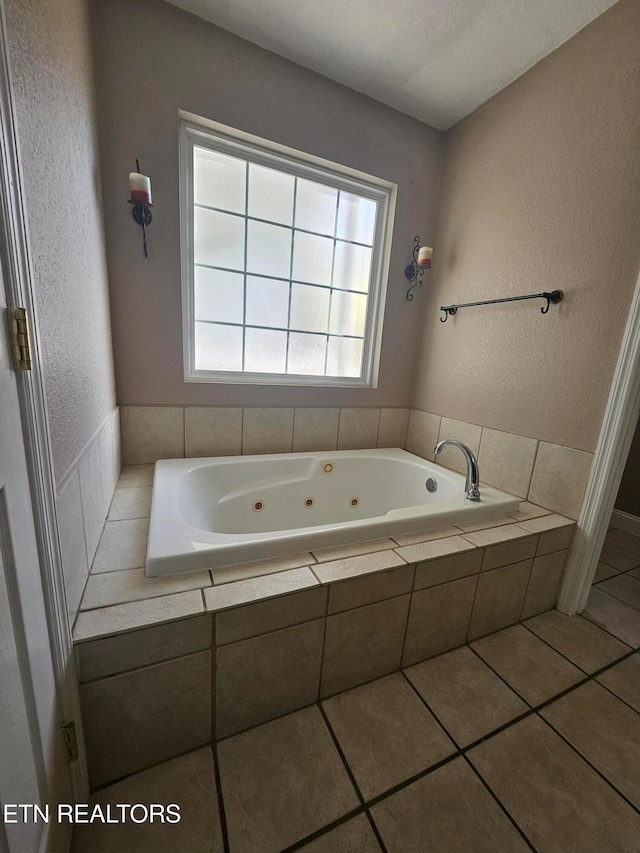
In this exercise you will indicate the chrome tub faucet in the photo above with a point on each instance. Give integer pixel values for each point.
(473, 477)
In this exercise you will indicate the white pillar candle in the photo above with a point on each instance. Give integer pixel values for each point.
(140, 187)
(424, 256)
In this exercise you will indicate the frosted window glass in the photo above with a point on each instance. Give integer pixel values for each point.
(218, 295)
(352, 267)
(348, 313)
(316, 207)
(344, 357)
(356, 218)
(265, 351)
(270, 194)
(312, 258)
(267, 302)
(309, 308)
(306, 354)
(219, 239)
(218, 347)
(218, 180)
(269, 249)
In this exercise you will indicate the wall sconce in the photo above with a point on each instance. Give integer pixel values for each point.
(140, 190)
(415, 270)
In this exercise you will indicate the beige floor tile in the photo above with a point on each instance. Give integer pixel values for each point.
(499, 598)
(354, 836)
(465, 694)
(281, 782)
(527, 664)
(136, 476)
(363, 644)
(263, 677)
(131, 503)
(123, 546)
(614, 616)
(624, 540)
(624, 680)
(586, 645)
(107, 588)
(617, 557)
(603, 571)
(551, 792)
(604, 730)
(623, 587)
(140, 718)
(439, 619)
(188, 781)
(448, 811)
(386, 733)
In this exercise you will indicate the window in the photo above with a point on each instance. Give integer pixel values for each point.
(285, 259)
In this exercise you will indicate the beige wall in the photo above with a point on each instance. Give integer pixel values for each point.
(628, 499)
(540, 190)
(153, 60)
(52, 68)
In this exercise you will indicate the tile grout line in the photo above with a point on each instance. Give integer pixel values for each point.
(587, 761)
(503, 808)
(406, 626)
(222, 815)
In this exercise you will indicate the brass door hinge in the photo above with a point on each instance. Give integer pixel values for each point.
(19, 338)
(69, 734)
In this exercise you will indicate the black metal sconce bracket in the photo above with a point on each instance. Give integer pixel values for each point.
(413, 272)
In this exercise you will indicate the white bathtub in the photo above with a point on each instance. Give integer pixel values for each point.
(207, 513)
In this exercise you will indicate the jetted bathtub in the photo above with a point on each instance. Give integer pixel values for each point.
(213, 512)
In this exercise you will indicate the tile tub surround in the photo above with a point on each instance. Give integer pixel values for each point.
(539, 472)
(82, 504)
(150, 433)
(315, 625)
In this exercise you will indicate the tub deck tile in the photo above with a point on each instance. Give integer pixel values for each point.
(436, 548)
(352, 567)
(257, 589)
(136, 614)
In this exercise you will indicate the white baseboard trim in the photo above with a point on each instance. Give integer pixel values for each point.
(625, 521)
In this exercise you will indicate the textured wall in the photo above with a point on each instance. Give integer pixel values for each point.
(53, 81)
(152, 60)
(628, 499)
(540, 190)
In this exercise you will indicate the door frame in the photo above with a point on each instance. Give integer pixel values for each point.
(17, 265)
(616, 434)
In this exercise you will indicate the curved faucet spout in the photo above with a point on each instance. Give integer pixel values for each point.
(473, 476)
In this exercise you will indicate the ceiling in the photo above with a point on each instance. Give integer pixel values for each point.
(436, 60)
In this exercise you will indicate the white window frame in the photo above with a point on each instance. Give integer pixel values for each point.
(195, 130)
